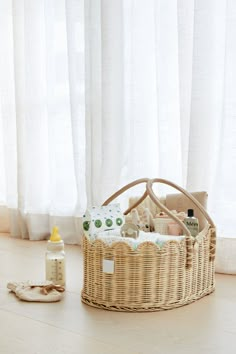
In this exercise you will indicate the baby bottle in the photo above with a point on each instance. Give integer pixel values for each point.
(55, 258)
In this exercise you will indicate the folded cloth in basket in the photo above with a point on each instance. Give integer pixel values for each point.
(111, 236)
(100, 218)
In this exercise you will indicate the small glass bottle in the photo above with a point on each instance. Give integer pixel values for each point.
(192, 223)
(55, 259)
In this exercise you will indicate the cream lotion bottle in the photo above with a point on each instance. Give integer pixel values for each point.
(55, 258)
(192, 223)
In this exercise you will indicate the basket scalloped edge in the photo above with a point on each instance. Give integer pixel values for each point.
(147, 244)
(144, 245)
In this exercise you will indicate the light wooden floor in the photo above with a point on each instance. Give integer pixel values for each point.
(204, 327)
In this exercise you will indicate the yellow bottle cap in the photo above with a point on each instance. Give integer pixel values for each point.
(55, 237)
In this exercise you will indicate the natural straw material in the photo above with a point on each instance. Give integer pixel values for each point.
(150, 278)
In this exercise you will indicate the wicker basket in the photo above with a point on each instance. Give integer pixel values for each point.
(151, 278)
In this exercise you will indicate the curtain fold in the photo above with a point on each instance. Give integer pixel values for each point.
(97, 93)
(132, 93)
(43, 116)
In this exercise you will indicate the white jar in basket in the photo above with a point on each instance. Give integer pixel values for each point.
(165, 225)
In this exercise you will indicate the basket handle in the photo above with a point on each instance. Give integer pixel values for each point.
(149, 191)
(124, 189)
(168, 212)
(182, 190)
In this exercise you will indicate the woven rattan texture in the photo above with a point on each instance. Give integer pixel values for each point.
(149, 278)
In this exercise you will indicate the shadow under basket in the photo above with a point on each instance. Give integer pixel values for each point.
(150, 277)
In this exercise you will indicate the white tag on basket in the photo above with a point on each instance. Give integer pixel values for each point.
(108, 266)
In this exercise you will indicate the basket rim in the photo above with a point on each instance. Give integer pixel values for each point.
(120, 243)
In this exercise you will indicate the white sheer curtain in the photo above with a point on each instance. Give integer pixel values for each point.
(132, 92)
(96, 93)
(42, 149)
(161, 100)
